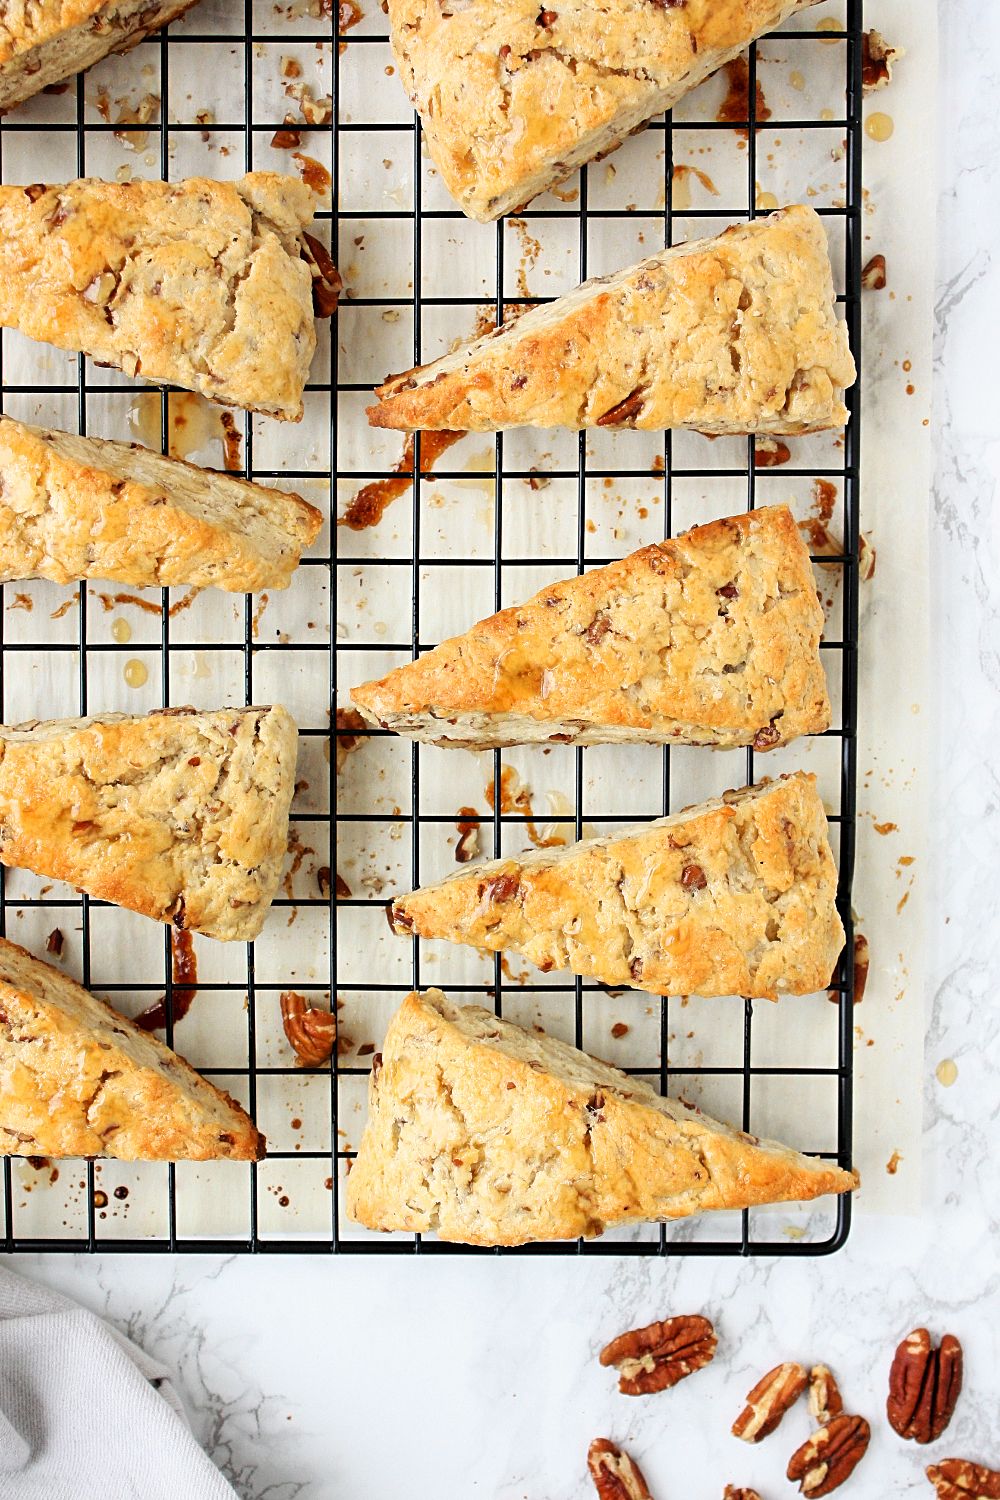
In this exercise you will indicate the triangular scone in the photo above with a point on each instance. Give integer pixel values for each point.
(730, 335)
(513, 97)
(177, 814)
(78, 1079)
(206, 285)
(80, 507)
(731, 897)
(492, 1135)
(711, 639)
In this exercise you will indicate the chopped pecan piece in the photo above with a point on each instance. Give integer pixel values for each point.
(625, 413)
(732, 1493)
(656, 1357)
(500, 888)
(924, 1385)
(961, 1479)
(830, 1456)
(312, 1033)
(327, 283)
(877, 61)
(615, 1475)
(767, 1403)
(766, 737)
(825, 1400)
(693, 878)
(873, 277)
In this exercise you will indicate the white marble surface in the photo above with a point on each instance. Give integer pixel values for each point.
(443, 1380)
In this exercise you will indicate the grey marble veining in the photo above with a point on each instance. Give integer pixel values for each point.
(446, 1380)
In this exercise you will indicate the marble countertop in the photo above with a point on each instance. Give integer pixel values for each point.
(450, 1378)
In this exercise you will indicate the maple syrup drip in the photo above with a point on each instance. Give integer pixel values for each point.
(184, 967)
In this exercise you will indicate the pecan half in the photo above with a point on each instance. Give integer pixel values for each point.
(825, 1400)
(767, 1403)
(312, 1033)
(830, 1456)
(615, 1475)
(658, 1356)
(961, 1479)
(924, 1384)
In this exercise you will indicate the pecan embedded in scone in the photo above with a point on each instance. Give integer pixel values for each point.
(492, 1135)
(45, 41)
(81, 507)
(758, 918)
(77, 1079)
(514, 97)
(735, 334)
(202, 284)
(177, 814)
(712, 638)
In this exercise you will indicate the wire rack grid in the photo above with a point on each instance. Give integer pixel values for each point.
(392, 814)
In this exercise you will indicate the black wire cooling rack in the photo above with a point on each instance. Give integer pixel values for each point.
(86, 1200)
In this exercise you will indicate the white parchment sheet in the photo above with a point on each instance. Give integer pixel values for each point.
(364, 600)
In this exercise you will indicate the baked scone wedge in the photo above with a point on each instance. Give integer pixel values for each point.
(177, 814)
(201, 284)
(710, 639)
(730, 897)
(513, 98)
(78, 1079)
(737, 334)
(81, 507)
(492, 1135)
(41, 44)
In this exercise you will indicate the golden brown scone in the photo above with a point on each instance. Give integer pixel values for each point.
(177, 814)
(732, 335)
(44, 41)
(77, 507)
(731, 897)
(201, 284)
(711, 639)
(513, 97)
(78, 1079)
(492, 1135)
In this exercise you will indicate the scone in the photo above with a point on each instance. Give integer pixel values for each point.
(491, 1135)
(737, 334)
(731, 897)
(78, 507)
(43, 43)
(177, 814)
(78, 1079)
(201, 284)
(711, 639)
(513, 98)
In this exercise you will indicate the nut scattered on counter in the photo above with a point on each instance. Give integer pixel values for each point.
(658, 1356)
(615, 1475)
(825, 1400)
(767, 1403)
(924, 1385)
(732, 1493)
(312, 1033)
(873, 277)
(830, 1456)
(877, 61)
(960, 1479)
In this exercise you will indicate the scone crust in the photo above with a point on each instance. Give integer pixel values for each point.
(72, 508)
(45, 41)
(179, 815)
(712, 638)
(513, 99)
(734, 897)
(196, 283)
(737, 334)
(490, 1135)
(78, 1079)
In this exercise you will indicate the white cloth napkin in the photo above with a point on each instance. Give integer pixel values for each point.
(85, 1414)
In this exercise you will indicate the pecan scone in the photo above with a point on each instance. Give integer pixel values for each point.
(492, 1135)
(78, 1079)
(737, 334)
